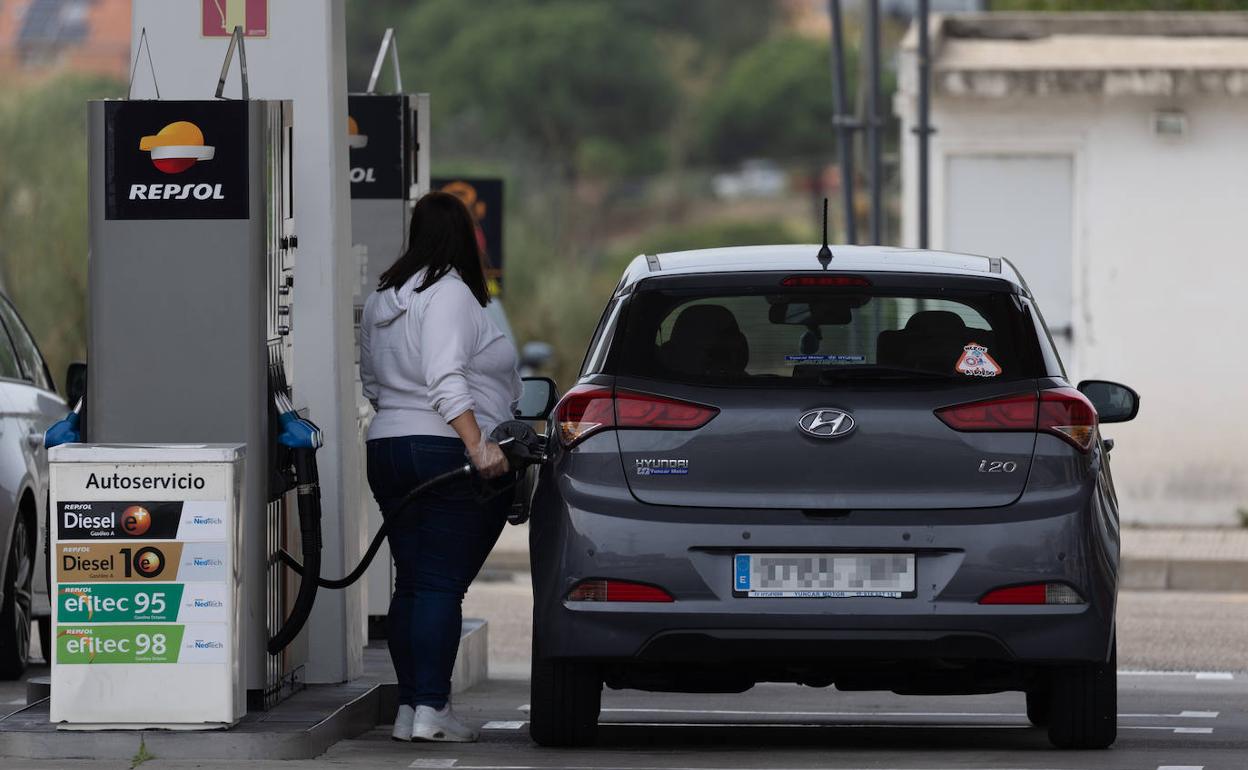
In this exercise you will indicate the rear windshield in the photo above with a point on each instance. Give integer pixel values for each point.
(810, 336)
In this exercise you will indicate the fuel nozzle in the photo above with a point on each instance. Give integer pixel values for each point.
(522, 445)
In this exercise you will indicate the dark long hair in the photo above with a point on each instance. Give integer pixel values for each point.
(442, 236)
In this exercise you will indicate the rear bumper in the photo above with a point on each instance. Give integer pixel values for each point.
(960, 556)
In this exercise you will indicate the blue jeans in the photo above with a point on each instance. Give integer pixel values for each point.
(439, 544)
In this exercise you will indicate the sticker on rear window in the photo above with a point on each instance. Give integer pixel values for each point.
(820, 358)
(975, 362)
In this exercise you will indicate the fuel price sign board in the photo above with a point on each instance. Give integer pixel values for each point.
(145, 586)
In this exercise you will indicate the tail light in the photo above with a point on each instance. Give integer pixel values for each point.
(583, 411)
(586, 409)
(617, 591)
(1034, 593)
(1062, 412)
(816, 281)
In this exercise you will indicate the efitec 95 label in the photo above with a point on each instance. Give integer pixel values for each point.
(113, 561)
(139, 603)
(157, 520)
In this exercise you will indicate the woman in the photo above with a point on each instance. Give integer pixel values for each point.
(440, 375)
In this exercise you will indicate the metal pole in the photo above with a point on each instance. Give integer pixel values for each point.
(924, 128)
(873, 122)
(842, 121)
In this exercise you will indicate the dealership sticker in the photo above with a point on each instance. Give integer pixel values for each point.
(975, 362)
(659, 466)
(820, 358)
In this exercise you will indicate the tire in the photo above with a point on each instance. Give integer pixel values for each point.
(15, 614)
(1084, 711)
(564, 703)
(1039, 703)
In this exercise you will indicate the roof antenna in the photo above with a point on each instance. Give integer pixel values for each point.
(825, 253)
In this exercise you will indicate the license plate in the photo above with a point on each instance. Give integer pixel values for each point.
(824, 575)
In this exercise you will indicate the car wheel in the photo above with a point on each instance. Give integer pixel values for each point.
(565, 701)
(15, 610)
(1039, 701)
(1084, 710)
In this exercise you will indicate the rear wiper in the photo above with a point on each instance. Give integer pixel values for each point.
(879, 373)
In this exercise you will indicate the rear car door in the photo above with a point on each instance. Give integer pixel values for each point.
(828, 390)
(33, 405)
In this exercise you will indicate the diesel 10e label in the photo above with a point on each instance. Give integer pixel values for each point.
(192, 643)
(138, 603)
(157, 520)
(118, 561)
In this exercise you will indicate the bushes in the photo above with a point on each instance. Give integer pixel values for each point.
(43, 209)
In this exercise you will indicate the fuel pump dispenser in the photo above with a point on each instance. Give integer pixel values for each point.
(192, 244)
(388, 141)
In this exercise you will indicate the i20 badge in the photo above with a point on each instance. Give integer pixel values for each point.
(826, 423)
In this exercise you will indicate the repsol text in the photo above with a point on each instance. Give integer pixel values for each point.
(170, 191)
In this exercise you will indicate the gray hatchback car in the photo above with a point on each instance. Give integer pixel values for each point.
(874, 476)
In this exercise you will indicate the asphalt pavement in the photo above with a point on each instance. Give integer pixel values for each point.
(1166, 721)
(1183, 688)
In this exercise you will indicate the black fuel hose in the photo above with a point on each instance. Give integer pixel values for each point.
(308, 489)
(308, 568)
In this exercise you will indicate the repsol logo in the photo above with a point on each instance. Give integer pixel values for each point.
(173, 481)
(359, 175)
(170, 191)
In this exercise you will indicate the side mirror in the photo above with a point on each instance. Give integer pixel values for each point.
(537, 400)
(1113, 402)
(75, 383)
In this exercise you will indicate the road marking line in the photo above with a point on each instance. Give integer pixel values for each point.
(503, 725)
(1221, 676)
(434, 763)
(1171, 728)
(687, 767)
(1199, 714)
(525, 708)
(1180, 767)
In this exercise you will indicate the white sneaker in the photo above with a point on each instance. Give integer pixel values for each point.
(403, 723)
(431, 724)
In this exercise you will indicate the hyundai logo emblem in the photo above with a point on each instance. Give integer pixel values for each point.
(826, 423)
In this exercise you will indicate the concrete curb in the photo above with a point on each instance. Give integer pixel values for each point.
(1141, 574)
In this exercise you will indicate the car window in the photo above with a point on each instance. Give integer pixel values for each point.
(33, 368)
(596, 356)
(811, 336)
(9, 368)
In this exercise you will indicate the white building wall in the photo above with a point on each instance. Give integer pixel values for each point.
(1160, 275)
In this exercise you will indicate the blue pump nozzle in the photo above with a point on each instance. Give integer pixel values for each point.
(64, 431)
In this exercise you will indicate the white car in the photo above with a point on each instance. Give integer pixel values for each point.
(28, 405)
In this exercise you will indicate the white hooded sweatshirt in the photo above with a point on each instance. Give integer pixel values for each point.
(428, 357)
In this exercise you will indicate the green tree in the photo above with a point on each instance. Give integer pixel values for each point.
(553, 77)
(43, 209)
(775, 101)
